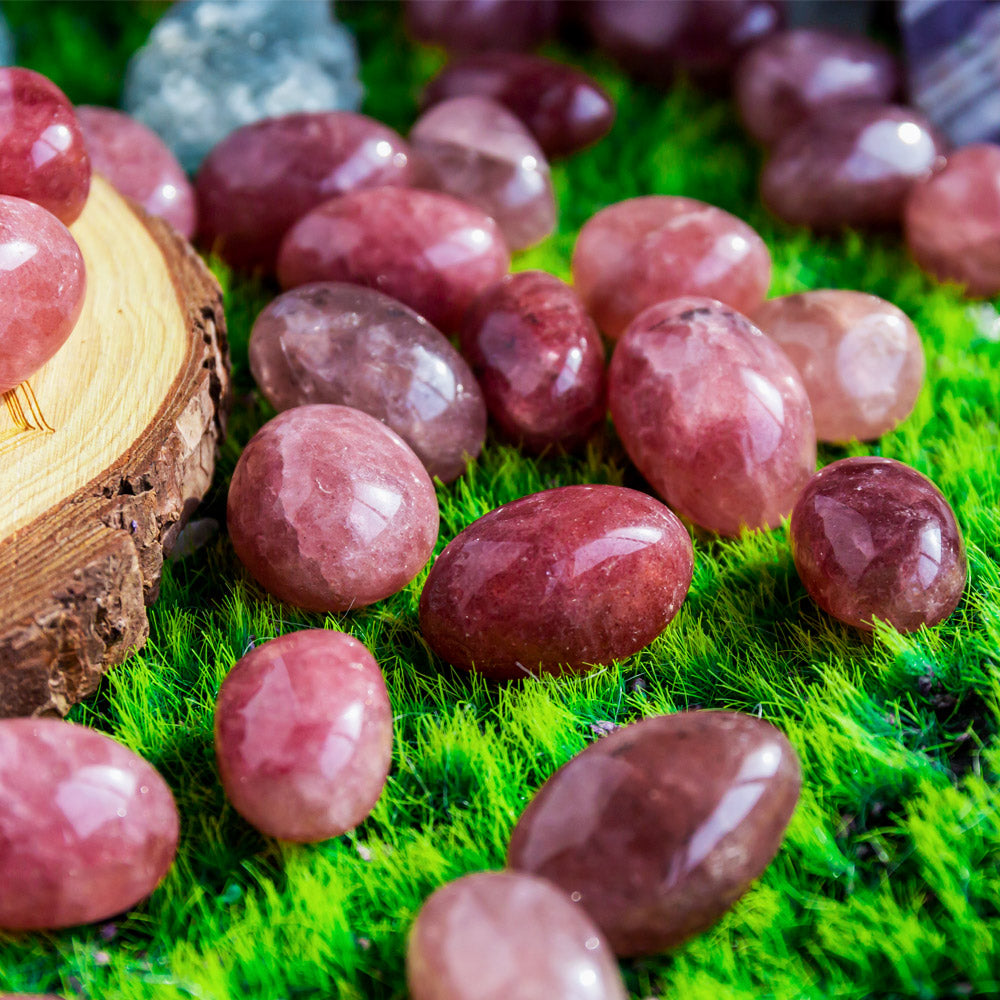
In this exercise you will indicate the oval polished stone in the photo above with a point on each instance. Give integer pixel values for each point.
(873, 538)
(87, 828)
(852, 165)
(507, 936)
(638, 252)
(860, 358)
(353, 346)
(303, 735)
(658, 828)
(557, 582)
(330, 510)
(713, 414)
(539, 360)
(262, 178)
(431, 251)
(482, 25)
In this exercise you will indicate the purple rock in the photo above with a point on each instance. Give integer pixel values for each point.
(482, 25)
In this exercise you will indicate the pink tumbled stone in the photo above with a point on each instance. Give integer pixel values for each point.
(330, 510)
(714, 415)
(482, 25)
(860, 359)
(508, 936)
(431, 251)
(873, 538)
(262, 178)
(87, 827)
(303, 735)
(42, 286)
(43, 157)
(139, 164)
(638, 252)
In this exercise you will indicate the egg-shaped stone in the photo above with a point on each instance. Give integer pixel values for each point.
(482, 25)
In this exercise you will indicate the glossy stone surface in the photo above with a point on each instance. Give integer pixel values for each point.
(330, 510)
(557, 582)
(478, 151)
(860, 358)
(507, 936)
(87, 829)
(638, 252)
(431, 251)
(338, 343)
(42, 153)
(714, 415)
(539, 360)
(852, 165)
(873, 538)
(795, 74)
(303, 735)
(264, 177)
(482, 25)
(42, 286)
(137, 162)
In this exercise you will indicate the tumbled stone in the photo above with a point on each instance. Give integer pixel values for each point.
(476, 150)
(638, 252)
(262, 178)
(873, 538)
(87, 828)
(42, 153)
(539, 360)
(330, 510)
(851, 165)
(505, 935)
(431, 251)
(658, 828)
(713, 413)
(557, 582)
(562, 107)
(345, 344)
(860, 359)
(303, 735)
(42, 286)
(138, 163)
(210, 66)
(795, 74)
(482, 25)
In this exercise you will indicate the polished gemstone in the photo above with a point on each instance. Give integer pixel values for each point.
(345, 344)
(87, 828)
(330, 510)
(264, 177)
(42, 286)
(431, 251)
(714, 415)
(539, 360)
(478, 151)
(638, 252)
(873, 538)
(557, 582)
(482, 25)
(659, 827)
(303, 735)
(507, 936)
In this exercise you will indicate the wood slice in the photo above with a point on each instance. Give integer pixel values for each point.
(104, 454)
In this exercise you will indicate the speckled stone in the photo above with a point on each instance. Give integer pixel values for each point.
(482, 25)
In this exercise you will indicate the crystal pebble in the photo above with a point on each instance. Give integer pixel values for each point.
(539, 360)
(482, 25)
(330, 510)
(638, 252)
(873, 538)
(87, 829)
(42, 284)
(303, 735)
(658, 828)
(354, 346)
(507, 936)
(557, 582)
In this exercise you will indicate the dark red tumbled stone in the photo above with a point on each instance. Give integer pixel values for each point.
(873, 538)
(539, 360)
(482, 25)
(658, 828)
(557, 582)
